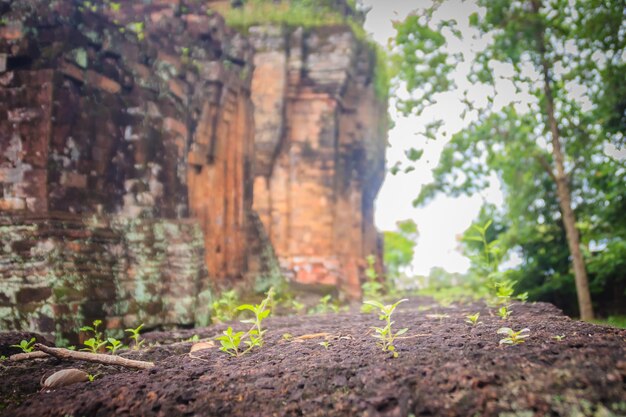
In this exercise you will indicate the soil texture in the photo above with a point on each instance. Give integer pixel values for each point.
(445, 367)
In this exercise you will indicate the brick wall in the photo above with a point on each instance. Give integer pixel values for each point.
(126, 138)
(319, 151)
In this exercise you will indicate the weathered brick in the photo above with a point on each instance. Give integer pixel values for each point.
(29, 295)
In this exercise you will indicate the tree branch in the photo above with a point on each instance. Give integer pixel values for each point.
(545, 165)
(94, 357)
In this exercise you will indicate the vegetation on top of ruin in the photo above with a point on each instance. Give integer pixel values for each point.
(313, 14)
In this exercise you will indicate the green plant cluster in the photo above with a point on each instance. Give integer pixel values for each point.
(386, 335)
(231, 341)
(311, 14)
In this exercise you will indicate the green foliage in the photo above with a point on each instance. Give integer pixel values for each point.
(504, 312)
(473, 319)
(134, 335)
(96, 342)
(225, 307)
(26, 345)
(311, 14)
(325, 343)
(372, 287)
(114, 345)
(421, 62)
(615, 321)
(325, 305)
(513, 337)
(399, 247)
(580, 46)
(231, 342)
(385, 335)
(94, 345)
(558, 338)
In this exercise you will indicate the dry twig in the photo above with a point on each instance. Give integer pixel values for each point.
(94, 357)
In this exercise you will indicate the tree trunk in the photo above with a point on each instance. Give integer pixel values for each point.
(565, 196)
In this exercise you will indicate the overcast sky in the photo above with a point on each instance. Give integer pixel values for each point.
(443, 219)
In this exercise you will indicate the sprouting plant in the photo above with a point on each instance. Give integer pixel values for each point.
(72, 347)
(97, 334)
(513, 337)
(193, 339)
(473, 319)
(134, 335)
(297, 305)
(3, 358)
(252, 338)
(523, 297)
(26, 345)
(504, 312)
(372, 288)
(558, 338)
(93, 345)
(287, 336)
(96, 342)
(325, 306)
(225, 307)
(92, 377)
(385, 335)
(230, 342)
(114, 345)
(325, 343)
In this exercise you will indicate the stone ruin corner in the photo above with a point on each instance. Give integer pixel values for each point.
(150, 153)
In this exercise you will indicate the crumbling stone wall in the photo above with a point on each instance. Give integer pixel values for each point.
(319, 150)
(126, 137)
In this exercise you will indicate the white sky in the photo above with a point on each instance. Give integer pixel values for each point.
(444, 218)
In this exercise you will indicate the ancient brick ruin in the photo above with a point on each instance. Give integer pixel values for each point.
(319, 151)
(135, 138)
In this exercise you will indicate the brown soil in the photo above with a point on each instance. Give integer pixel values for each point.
(452, 370)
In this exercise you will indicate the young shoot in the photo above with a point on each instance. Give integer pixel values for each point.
(473, 319)
(513, 337)
(504, 312)
(26, 345)
(134, 335)
(559, 338)
(325, 343)
(372, 287)
(252, 338)
(96, 342)
(385, 335)
(114, 345)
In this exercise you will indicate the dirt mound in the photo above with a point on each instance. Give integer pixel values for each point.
(445, 368)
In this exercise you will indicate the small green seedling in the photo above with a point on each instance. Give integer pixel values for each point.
(231, 341)
(473, 319)
(287, 336)
(325, 344)
(372, 287)
(558, 338)
(297, 306)
(504, 312)
(225, 307)
(193, 339)
(26, 345)
(92, 377)
(385, 335)
(325, 306)
(523, 297)
(93, 345)
(134, 335)
(513, 337)
(114, 345)
(96, 342)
